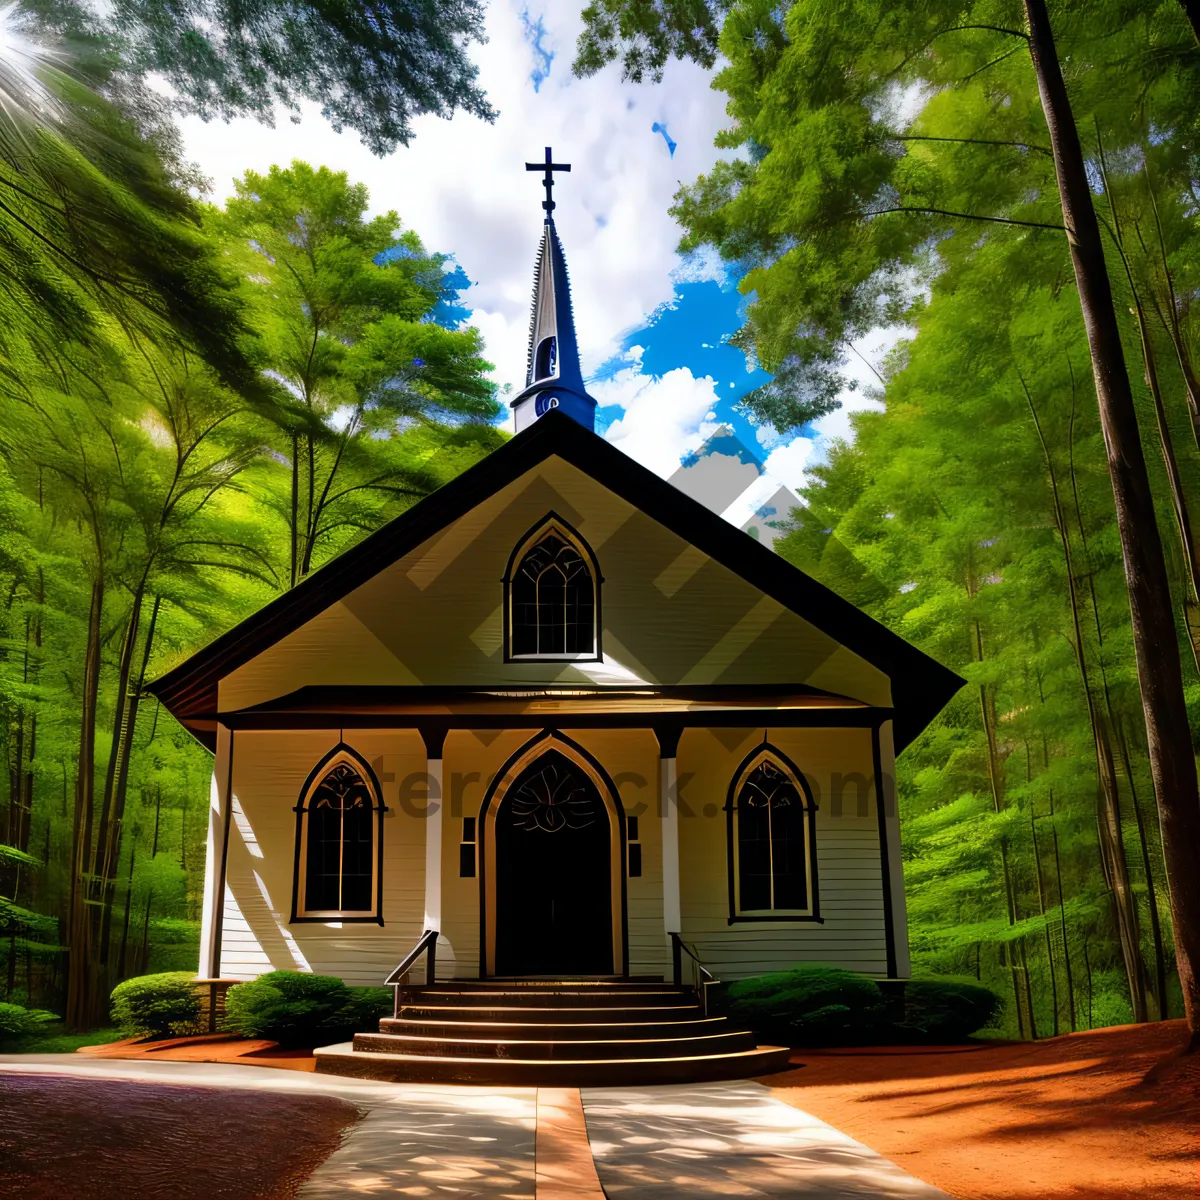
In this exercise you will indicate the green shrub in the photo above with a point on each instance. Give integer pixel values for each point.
(810, 1006)
(18, 1022)
(370, 1003)
(295, 1008)
(157, 1005)
(948, 1009)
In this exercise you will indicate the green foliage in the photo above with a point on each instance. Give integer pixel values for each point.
(893, 169)
(94, 228)
(295, 1008)
(54, 1039)
(18, 1022)
(157, 1005)
(146, 504)
(645, 34)
(372, 73)
(827, 1006)
(370, 1004)
(945, 1010)
(377, 399)
(810, 1005)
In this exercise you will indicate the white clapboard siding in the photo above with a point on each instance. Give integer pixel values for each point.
(849, 875)
(269, 771)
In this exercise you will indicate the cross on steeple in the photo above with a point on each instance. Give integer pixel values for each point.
(549, 166)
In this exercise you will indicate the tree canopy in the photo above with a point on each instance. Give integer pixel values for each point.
(371, 68)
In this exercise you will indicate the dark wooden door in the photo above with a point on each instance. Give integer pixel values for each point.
(554, 902)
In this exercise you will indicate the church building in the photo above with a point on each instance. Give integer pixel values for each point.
(558, 721)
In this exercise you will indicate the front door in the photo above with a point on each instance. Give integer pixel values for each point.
(554, 913)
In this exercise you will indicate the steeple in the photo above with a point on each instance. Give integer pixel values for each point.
(553, 377)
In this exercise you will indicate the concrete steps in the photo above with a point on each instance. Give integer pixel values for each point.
(575, 1033)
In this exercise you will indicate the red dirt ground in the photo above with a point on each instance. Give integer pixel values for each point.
(208, 1047)
(108, 1139)
(1068, 1118)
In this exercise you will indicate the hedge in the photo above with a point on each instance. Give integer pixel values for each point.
(828, 1006)
(295, 1008)
(18, 1022)
(157, 1005)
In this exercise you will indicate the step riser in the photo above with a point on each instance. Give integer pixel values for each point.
(550, 1031)
(498, 1072)
(539, 998)
(559, 985)
(724, 1043)
(545, 1016)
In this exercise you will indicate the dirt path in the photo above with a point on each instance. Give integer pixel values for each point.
(1068, 1118)
(113, 1139)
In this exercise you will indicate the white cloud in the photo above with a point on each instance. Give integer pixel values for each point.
(664, 417)
(786, 463)
(463, 187)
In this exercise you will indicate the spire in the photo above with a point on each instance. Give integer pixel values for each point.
(553, 378)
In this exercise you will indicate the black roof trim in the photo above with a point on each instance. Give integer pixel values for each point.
(921, 686)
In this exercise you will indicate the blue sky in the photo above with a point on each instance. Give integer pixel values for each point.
(653, 328)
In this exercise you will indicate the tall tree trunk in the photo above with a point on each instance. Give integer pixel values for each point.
(1172, 763)
(1160, 957)
(157, 816)
(996, 780)
(1183, 521)
(1041, 894)
(1170, 319)
(1062, 912)
(121, 785)
(80, 988)
(1113, 859)
(121, 958)
(107, 842)
(144, 957)
(295, 510)
(1183, 524)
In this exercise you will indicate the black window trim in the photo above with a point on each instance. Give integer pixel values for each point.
(765, 750)
(300, 916)
(524, 544)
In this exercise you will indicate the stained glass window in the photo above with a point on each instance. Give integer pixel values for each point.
(553, 601)
(340, 844)
(772, 842)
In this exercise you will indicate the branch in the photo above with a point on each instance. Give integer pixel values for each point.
(917, 137)
(994, 61)
(942, 212)
(1018, 33)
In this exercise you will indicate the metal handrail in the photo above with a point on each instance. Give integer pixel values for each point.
(426, 945)
(702, 977)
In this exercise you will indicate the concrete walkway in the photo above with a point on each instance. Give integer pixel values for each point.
(730, 1139)
(428, 1140)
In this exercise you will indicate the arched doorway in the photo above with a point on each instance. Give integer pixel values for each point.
(552, 888)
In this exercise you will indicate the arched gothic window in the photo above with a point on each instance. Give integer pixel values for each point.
(553, 596)
(772, 840)
(339, 842)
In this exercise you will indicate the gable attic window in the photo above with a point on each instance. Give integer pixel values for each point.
(552, 596)
(339, 842)
(772, 841)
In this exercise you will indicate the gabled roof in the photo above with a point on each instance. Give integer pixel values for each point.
(921, 686)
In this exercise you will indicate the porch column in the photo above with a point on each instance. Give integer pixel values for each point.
(212, 916)
(668, 808)
(434, 739)
(899, 963)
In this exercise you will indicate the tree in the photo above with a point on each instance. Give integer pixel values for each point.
(90, 223)
(886, 147)
(376, 392)
(1156, 647)
(371, 69)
